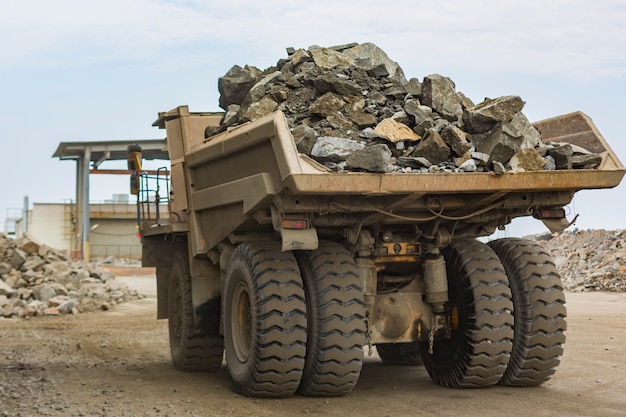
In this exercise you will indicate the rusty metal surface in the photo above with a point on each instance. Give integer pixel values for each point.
(381, 184)
(223, 171)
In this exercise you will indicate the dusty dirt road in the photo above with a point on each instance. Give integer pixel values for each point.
(116, 363)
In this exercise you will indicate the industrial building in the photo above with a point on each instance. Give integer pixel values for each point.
(95, 230)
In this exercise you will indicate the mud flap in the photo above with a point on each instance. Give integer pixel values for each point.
(299, 239)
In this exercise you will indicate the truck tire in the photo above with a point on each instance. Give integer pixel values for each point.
(479, 347)
(407, 354)
(539, 311)
(190, 349)
(336, 326)
(264, 320)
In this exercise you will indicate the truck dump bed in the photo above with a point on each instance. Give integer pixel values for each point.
(240, 175)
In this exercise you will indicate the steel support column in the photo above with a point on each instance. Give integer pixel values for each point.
(85, 204)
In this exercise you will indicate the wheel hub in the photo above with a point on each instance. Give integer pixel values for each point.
(241, 322)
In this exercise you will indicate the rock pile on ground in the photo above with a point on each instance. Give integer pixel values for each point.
(351, 107)
(590, 260)
(36, 280)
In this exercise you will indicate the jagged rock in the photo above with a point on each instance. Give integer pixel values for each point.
(520, 127)
(334, 149)
(577, 150)
(68, 306)
(373, 158)
(361, 118)
(333, 83)
(230, 117)
(33, 263)
(500, 147)
(5, 268)
(18, 258)
(44, 292)
(345, 90)
(590, 160)
(28, 245)
(327, 104)
(468, 166)
(44, 280)
(458, 161)
(527, 159)
(339, 122)
(419, 112)
(328, 58)
(440, 94)
(81, 275)
(433, 148)
(550, 163)
(300, 56)
(51, 311)
(562, 155)
(304, 137)
(498, 167)
(456, 139)
(259, 109)
(589, 260)
(371, 58)
(5, 289)
(413, 87)
(393, 131)
(466, 102)
(481, 158)
(235, 84)
(401, 117)
(279, 93)
(484, 116)
(414, 162)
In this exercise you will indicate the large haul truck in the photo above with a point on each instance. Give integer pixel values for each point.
(294, 272)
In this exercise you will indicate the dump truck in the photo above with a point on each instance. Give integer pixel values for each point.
(293, 272)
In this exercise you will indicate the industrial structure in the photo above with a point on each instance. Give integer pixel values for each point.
(89, 156)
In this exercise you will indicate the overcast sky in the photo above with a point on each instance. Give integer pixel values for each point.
(82, 70)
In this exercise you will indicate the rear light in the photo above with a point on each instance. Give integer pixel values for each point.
(294, 224)
(550, 213)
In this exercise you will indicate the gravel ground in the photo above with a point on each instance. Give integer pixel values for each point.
(116, 363)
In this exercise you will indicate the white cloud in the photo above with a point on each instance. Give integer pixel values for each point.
(575, 38)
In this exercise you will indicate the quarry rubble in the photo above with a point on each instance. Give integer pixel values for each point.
(36, 280)
(590, 260)
(351, 108)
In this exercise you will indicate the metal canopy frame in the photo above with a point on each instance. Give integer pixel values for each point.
(89, 156)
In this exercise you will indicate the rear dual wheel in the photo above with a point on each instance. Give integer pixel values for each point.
(539, 311)
(293, 325)
(478, 351)
(513, 340)
(336, 325)
(191, 349)
(264, 321)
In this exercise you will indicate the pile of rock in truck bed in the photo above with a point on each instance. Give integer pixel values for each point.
(351, 107)
(36, 280)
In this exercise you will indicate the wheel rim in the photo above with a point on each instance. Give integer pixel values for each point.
(454, 318)
(241, 322)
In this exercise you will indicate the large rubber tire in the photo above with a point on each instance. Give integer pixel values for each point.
(336, 321)
(539, 310)
(407, 354)
(478, 351)
(264, 320)
(190, 349)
